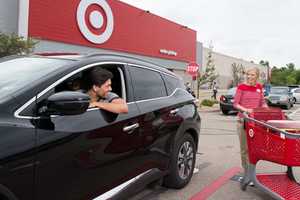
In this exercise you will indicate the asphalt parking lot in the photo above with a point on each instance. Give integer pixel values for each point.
(218, 161)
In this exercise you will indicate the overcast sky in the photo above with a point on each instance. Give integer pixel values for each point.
(248, 29)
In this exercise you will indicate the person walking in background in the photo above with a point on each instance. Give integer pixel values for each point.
(189, 89)
(248, 96)
(215, 91)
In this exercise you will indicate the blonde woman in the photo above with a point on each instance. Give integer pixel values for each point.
(249, 95)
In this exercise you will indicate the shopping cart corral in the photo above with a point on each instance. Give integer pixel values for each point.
(270, 137)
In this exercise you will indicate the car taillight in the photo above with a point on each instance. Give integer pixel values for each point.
(223, 98)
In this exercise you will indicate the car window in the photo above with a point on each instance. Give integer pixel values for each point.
(147, 84)
(19, 73)
(78, 82)
(171, 83)
(231, 91)
(297, 91)
(279, 91)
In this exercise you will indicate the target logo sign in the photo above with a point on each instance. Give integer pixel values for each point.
(95, 20)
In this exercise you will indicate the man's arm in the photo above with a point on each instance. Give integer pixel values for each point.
(117, 105)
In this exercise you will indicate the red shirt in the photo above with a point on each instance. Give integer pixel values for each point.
(249, 97)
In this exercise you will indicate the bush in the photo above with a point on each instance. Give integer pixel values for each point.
(207, 102)
(14, 45)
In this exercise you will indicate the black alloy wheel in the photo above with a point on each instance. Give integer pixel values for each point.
(182, 163)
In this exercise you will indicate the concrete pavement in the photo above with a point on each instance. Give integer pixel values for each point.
(218, 156)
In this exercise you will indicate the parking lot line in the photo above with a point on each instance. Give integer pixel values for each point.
(214, 186)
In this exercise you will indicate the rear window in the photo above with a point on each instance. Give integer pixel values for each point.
(171, 83)
(18, 73)
(147, 84)
(231, 91)
(279, 90)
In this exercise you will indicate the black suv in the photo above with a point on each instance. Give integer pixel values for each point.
(52, 146)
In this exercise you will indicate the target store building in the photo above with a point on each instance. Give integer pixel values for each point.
(102, 26)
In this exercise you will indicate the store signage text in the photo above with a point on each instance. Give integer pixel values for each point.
(168, 52)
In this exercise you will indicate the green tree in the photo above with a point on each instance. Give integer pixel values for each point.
(209, 75)
(297, 76)
(287, 75)
(15, 45)
(290, 66)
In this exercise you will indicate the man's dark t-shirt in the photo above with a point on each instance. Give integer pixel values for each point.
(109, 97)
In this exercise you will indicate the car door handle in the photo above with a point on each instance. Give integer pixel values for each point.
(174, 112)
(131, 128)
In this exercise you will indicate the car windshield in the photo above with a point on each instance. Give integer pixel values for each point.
(231, 91)
(18, 73)
(279, 90)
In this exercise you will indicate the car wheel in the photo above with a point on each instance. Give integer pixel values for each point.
(225, 112)
(182, 163)
(295, 100)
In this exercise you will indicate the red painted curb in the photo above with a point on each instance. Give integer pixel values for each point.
(214, 186)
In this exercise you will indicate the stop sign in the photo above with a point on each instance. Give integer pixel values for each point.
(192, 69)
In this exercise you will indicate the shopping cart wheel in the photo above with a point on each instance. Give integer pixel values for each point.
(244, 186)
(244, 183)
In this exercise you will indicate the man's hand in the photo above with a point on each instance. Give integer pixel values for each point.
(93, 104)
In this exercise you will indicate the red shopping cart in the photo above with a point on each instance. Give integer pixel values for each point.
(270, 137)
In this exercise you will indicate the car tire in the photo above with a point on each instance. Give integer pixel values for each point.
(225, 112)
(295, 100)
(182, 164)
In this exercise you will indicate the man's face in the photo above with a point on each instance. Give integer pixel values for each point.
(103, 89)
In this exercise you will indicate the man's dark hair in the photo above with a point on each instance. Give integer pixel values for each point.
(98, 76)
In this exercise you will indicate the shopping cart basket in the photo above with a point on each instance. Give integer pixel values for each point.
(270, 137)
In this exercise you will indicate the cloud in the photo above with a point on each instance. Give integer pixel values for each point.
(249, 29)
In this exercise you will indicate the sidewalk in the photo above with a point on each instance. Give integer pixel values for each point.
(214, 108)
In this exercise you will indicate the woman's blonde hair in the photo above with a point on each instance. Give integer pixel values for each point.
(257, 72)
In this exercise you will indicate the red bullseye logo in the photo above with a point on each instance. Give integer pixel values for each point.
(95, 20)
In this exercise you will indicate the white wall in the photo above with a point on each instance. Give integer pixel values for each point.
(224, 69)
(9, 16)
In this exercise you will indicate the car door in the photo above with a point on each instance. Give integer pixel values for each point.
(160, 119)
(297, 95)
(83, 156)
(17, 158)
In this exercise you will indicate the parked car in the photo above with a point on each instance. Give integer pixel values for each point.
(291, 87)
(296, 94)
(280, 96)
(52, 146)
(226, 101)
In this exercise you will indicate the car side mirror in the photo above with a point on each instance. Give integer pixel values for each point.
(66, 103)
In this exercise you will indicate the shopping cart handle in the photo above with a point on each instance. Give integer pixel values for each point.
(280, 131)
(245, 114)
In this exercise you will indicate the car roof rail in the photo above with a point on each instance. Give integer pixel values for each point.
(56, 54)
(135, 58)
